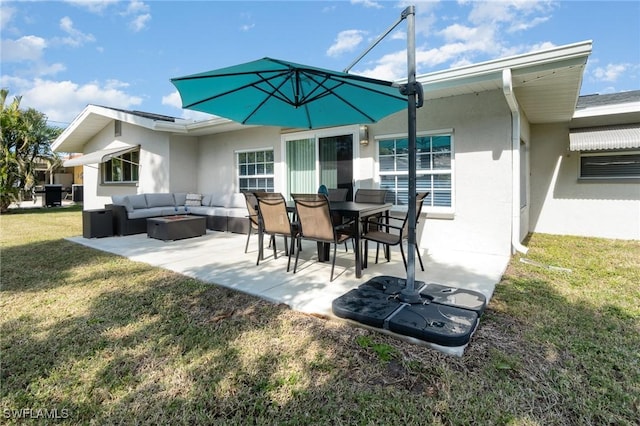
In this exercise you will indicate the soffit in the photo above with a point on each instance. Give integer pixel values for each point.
(546, 84)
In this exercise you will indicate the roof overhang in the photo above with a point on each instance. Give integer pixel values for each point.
(99, 156)
(605, 137)
(94, 118)
(546, 83)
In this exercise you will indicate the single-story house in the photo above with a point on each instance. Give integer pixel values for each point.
(505, 147)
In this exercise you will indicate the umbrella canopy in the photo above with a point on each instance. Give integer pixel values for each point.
(271, 92)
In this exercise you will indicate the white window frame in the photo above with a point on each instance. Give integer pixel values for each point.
(445, 211)
(255, 176)
(586, 154)
(127, 161)
(318, 134)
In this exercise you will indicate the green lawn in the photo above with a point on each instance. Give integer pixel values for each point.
(93, 338)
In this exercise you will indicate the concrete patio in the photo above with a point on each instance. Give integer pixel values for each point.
(219, 258)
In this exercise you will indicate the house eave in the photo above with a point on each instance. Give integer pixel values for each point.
(94, 118)
(546, 83)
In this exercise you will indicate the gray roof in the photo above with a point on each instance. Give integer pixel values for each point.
(149, 115)
(596, 100)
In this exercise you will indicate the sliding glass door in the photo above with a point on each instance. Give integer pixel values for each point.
(318, 160)
(336, 162)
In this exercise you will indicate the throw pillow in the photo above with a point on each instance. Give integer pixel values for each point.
(193, 200)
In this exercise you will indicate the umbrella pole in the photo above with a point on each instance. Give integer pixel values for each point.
(410, 293)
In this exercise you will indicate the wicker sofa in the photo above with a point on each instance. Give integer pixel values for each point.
(226, 213)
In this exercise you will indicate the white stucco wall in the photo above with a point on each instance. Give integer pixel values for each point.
(184, 155)
(561, 204)
(481, 126)
(154, 164)
(216, 166)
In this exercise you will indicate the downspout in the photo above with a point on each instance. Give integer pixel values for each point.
(507, 89)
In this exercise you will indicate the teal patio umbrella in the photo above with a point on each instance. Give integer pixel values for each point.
(272, 92)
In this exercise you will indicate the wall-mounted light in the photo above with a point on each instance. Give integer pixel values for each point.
(364, 135)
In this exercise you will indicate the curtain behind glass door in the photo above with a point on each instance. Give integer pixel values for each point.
(301, 166)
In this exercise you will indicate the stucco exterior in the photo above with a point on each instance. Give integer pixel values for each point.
(562, 204)
(512, 170)
(156, 165)
(481, 127)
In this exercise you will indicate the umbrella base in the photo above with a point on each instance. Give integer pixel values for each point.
(445, 316)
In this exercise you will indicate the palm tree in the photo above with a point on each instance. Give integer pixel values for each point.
(26, 138)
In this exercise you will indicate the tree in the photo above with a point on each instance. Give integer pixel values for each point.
(25, 140)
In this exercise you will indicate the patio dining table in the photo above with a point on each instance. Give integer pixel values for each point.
(357, 212)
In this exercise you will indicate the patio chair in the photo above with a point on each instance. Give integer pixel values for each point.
(314, 215)
(389, 238)
(371, 196)
(254, 224)
(337, 194)
(274, 219)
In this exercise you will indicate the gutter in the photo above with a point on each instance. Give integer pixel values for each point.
(507, 89)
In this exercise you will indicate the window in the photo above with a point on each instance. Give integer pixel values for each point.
(121, 169)
(610, 165)
(433, 169)
(255, 170)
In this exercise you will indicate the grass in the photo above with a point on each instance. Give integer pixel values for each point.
(93, 338)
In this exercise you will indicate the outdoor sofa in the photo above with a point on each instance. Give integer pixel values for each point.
(224, 212)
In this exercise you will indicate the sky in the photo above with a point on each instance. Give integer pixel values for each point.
(60, 56)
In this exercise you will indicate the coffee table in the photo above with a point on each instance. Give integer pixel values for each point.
(170, 228)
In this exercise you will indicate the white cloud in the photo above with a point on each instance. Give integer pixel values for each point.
(398, 35)
(27, 48)
(611, 72)
(136, 7)
(454, 41)
(140, 22)
(76, 37)
(516, 15)
(368, 3)
(346, 41)
(93, 6)
(392, 66)
(247, 27)
(141, 16)
(62, 101)
(6, 15)
(459, 32)
(174, 100)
